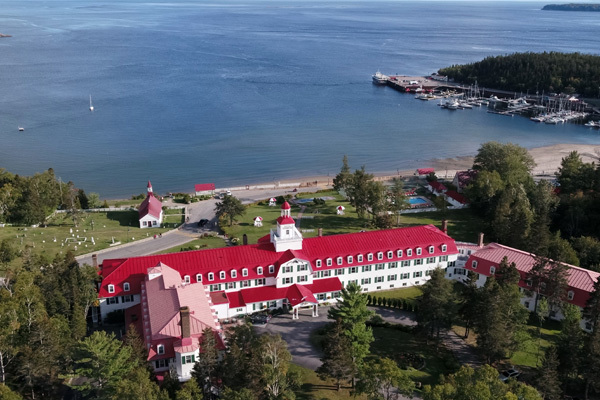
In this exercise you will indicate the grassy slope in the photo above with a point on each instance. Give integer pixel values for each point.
(196, 244)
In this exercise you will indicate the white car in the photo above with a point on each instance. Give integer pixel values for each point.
(509, 374)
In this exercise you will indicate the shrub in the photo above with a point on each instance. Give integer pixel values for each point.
(369, 299)
(379, 301)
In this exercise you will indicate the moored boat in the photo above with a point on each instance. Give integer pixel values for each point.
(379, 78)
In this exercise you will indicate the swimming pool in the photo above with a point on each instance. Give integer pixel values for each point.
(417, 200)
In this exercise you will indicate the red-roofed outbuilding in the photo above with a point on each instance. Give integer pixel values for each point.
(203, 189)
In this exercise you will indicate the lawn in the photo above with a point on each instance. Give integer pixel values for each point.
(463, 225)
(409, 293)
(61, 234)
(314, 388)
(209, 242)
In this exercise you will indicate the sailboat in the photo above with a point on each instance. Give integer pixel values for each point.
(91, 106)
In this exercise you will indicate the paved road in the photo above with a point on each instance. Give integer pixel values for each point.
(190, 230)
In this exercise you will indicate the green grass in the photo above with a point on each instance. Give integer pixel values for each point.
(390, 342)
(120, 225)
(463, 225)
(208, 242)
(527, 356)
(314, 388)
(409, 293)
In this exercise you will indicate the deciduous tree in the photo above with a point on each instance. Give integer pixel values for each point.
(382, 379)
(230, 208)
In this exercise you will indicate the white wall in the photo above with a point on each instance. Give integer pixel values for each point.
(106, 308)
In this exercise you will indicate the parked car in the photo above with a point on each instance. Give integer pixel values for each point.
(260, 318)
(509, 374)
(202, 222)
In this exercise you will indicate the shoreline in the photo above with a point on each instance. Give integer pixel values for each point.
(547, 159)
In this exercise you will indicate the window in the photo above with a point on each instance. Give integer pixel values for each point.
(393, 265)
(287, 269)
(288, 280)
(273, 304)
(271, 269)
(126, 286)
(112, 300)
(211, 276)
(444, 248)
(350, 259)
(340, 260)
(215, 288)
(406, 263)
(245, 284)
(259, 282)
(430, 260)
(571, 295)
(378, 279)
(198, 277)
(188, 359)
(339, 271)
(451, 263)
(325, 274)
(588, 326)
(366, 268)
(443, 258)
(329, 262)
(409, 252)
(230, 285)
(287, 231)
(303, 278)
(474, 264)
(369, 257)
(259, 270)
(380, 255)
(353, 270)
(127, 298)
(417, 274)
(428, 272)
(245, 272)
(529, 282)
(186, 279)
(431, 249)
(526, 304)
(405, 276)
(418, 261)
(162, 363)
(160, 349)
(239, 309)
(233, 273)
(365, 281)
(392, 277)
(418, 251)
(111, 288)
(222, 275)
(399, 253)
(302, 267)
(318, 263)
(543, 287)
(492, 270)
(390, 254)
(359, 258)
(379, 266)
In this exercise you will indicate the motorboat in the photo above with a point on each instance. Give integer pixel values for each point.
(378, 79)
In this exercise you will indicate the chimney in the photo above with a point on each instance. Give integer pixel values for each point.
(445, 226)
(480, 239)
(95, 260)
(245, 239)
(320, 232)
(185, 321)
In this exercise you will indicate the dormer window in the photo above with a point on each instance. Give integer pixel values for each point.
(160, 349)
(222, 275)
(319, 263)
(409, 252)
(259, 270)
(245, 272)
(198, 277)
(233, 273)
(329, 262)
(418, 251)
(211, 276)
(492, 270)
(126, 286)
(340, 260)
(571, 295)
(474, 264)
(111, 288)
(370, 257)
(359, 258)
(444, 248)
(431, 249)
(186, 279)
(543, 287)
(390, 254)
(380, 255)
(350, 259)
(271, 269)
(399, 253)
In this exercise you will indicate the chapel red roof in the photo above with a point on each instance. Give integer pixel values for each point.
(151, 205)
(201, 187)
(133, 270)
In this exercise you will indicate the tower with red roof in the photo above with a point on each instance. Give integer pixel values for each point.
(150, 211)
(286, 236)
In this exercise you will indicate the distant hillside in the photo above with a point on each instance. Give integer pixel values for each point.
(522, 72)
(572, 7)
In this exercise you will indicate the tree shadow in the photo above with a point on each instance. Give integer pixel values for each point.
(124, 218)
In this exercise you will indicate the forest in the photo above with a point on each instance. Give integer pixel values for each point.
(548, 72)
(572, 7)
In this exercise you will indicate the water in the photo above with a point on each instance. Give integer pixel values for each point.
(416, 200)
(242, 92)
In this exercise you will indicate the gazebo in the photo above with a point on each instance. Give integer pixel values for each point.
(340, 210)
(258, 221)
(272, 202)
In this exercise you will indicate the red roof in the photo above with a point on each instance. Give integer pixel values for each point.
(437, 186)
(463, 178)
(285, 206)
(453, 194)
(133, 270)
(580, 279)
(151, 205)
(201, 187)
(285, 220)
(296, 294)
(425, 171)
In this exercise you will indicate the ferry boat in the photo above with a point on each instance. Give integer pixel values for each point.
(379, 78)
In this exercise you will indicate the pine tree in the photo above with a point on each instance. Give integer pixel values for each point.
(591, 363)
(342, 180)
(231, 207)
(437, 307)
(547, 381)
(570, 344)
(206, 366)
(337, 356)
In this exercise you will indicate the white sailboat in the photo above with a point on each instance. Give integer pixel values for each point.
(91, 106)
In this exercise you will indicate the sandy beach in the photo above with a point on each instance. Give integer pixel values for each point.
(547, 159)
